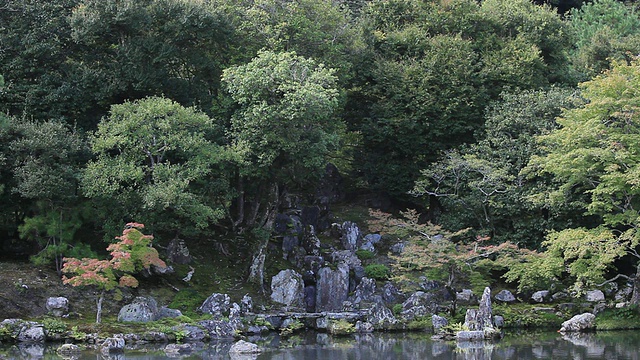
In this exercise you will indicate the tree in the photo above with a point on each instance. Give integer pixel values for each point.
(605, 30)
(595, 162)
(282, 131)
(441, 255)
(437, 66)
(159, 161)
(130, 255)
(483, 186)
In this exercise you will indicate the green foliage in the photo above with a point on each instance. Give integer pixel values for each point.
(54, 326)
(423, 324)
(397, 309)
(483, 186)
(377, 271)
(78, 334)
(453, 328)
(594, 161)
(365, 254)
(605, 30)
(187, 300)
(517, 316)
(293, 327)
(340, 327)
(626, 318)
(158, 161)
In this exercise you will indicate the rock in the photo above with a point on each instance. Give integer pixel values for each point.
(474, 335)
(217, 305)
(364, 327)
(112, 345)
(347, 257)
(178, 252)
(311, 242)
(287, 288)
(310, 215)
(332, 288)
(159, 270)
(288, 224)
(219, 329)
(438, 322)
(246, 305)
(419, 304)
(481, 319)
(624, 294)
(390, 293)
(561, 295)
(141, 310)
(164, 312)
(578, 323)
(368, 246)
(505, 296)
(466, 297)
(244, 347)
(57, 306)
(192, 333)
(380, 316)
(373, 238)
(498, 321)
(351, 236)
(540, 296)
(595, 296)
(310, 298)
(429, 285)
(289, 243)
(178, 350)
(22, 331)
(364, 291)
(69, 350)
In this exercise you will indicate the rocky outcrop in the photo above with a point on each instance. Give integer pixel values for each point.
(582, 322)
(364, 292)
(419, 304)
(22, 331)
(380, 316)
(217, 305)
(332, 288)
(480, 320)
(112, 345)
(287, 288)
(57, 306)
(466, 297)
(351, 237)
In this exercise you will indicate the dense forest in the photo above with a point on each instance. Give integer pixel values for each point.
(515, 119)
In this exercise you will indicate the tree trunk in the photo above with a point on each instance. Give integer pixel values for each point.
(635, 296)
(99, 306)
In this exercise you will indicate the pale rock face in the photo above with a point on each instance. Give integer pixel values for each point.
(287, 288)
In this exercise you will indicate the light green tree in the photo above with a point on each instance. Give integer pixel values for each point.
(594, 159)
(158, 161)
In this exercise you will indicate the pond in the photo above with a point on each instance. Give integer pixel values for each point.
(316, 346)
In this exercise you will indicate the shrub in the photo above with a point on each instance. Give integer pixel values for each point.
(365, 254)
(377, 271)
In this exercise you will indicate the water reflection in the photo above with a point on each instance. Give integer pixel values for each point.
(315, 346)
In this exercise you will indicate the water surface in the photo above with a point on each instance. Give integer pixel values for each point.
(394, 346)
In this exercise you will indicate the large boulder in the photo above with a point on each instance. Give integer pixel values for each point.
(112, 345)
(332, 288)
(219, 329)
(419, 304)
(380, 316)
(217, 305)
(57, 306)
(287, 288)
(595, 296)
(466, 297)
(141, 310)
(244, 347)
(364, 292)
(582, 322)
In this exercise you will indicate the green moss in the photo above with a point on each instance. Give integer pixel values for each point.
(422, 323)
(365, 254)
(292, 328)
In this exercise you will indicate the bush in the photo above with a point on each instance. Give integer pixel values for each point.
(341, 327)
(377, 271)
(365, 254)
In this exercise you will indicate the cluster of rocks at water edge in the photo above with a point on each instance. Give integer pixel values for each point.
(327, 291)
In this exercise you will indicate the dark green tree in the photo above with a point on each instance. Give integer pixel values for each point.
(282, 133)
